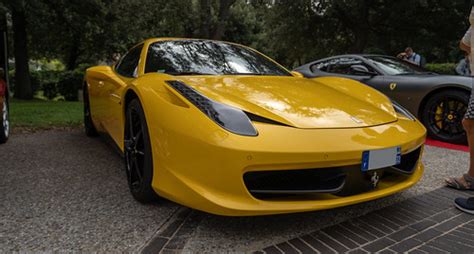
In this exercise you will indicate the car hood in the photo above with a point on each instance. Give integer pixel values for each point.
(299, 102)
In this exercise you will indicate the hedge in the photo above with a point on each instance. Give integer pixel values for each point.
(55, 83)
(442, 68)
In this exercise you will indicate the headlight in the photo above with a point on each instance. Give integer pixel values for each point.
(403, 111)
(229, 118)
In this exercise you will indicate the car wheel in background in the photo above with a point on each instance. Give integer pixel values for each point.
(88, 124)
(4, 121)
(443, 114)
(138, 155)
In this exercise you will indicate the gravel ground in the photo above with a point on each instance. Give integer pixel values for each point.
(62, 191)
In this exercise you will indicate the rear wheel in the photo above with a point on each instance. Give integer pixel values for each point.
(443, 114)
(4, 121)
(89, 127)
(138, 156)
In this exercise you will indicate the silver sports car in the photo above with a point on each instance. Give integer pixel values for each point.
(439, 101)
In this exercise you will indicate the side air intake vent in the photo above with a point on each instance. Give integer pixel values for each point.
(256, 118)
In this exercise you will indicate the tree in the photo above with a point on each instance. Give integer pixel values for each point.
(85, 31)
(223, 16)
(354, 15)
(23, 89)
(205, 18)
(208, 28)
(293, 32)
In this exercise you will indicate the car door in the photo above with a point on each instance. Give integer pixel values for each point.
(125, 72)
(403, 89)
(97, 95)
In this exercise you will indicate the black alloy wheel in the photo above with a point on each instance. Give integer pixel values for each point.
(443, 116)
(138, 156)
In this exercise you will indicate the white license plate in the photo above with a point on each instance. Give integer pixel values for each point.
(375, 159)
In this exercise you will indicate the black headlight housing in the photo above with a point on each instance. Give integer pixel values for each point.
(403, 111)
(229, 118)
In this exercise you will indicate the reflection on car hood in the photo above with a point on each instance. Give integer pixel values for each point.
(299, 102)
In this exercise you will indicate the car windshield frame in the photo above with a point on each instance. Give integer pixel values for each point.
(207, 57)
(395, 66)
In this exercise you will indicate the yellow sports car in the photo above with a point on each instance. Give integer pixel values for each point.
(221, 128)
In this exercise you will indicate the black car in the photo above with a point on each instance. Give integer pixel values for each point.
(439, 101)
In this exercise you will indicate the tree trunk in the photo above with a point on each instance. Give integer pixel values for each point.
(224, 13)
(205, 18)
(73, 55)
(23, 89)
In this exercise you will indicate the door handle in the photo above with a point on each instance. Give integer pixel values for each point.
(101, 83)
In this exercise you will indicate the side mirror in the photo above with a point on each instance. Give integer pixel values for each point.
(297, 74)
(101, 72)
(105, 72)
(362, 70)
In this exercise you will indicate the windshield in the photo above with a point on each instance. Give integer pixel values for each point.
(196, 57)
(395, 66)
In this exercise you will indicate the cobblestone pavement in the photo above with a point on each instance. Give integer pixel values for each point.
(63, 192)
(424, 224)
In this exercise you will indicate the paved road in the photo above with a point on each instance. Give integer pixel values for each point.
(63, 191)
(423, 224)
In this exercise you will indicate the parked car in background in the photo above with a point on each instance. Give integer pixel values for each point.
(4, 119)
(439, 101)
(4, 92)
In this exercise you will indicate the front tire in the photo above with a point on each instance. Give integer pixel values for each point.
(138, 154)
(4, 121)
(443, 114)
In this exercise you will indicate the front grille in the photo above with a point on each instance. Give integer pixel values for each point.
(408, 162)
(339, 181)
(295, 181)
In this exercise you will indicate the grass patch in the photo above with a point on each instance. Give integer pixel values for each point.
(45, 114)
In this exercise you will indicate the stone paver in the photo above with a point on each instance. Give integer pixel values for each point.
(444, 229)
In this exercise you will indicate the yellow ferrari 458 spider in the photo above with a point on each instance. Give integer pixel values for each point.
(221, 128)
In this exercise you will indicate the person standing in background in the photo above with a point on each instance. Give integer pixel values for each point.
(463, 68)
(410, 56)
(466, 182)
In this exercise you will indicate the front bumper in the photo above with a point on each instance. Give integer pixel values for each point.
(206, 172)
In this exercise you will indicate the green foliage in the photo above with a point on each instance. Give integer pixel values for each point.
(87, 31)
(69, 84)
(45, 114)
(292, 32)
(442, 68)
(53, 83)
(47, 65)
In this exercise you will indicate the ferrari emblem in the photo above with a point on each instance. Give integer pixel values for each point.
(393, 86)
(375, 179)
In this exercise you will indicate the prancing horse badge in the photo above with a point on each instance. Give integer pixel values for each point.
(393, 86)
(375, 179)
